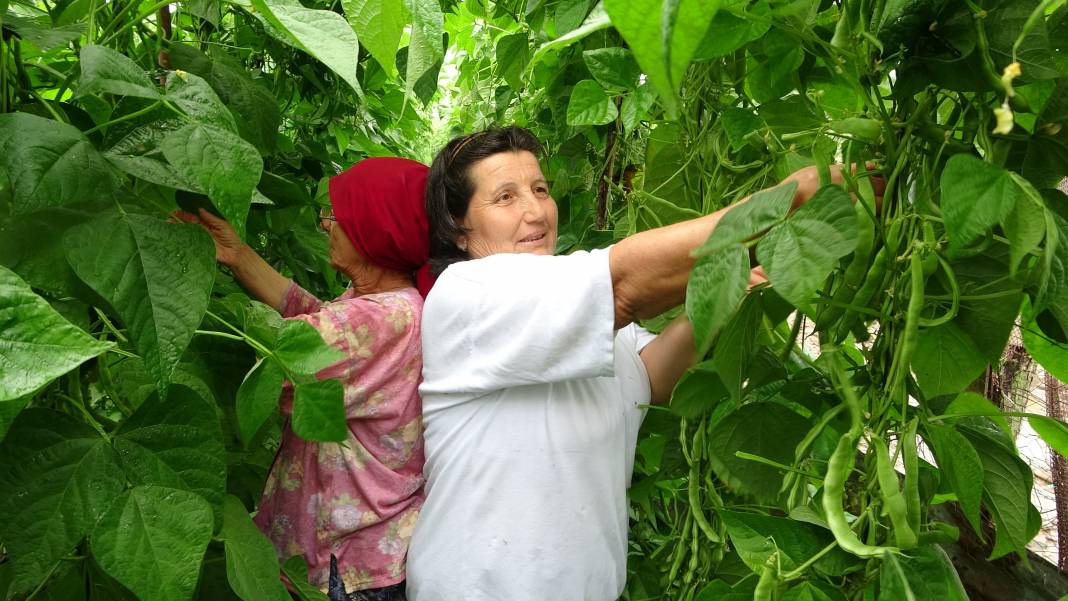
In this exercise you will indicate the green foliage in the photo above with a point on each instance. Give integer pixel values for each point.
(138, 409)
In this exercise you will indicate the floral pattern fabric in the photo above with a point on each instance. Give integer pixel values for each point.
(358, 500)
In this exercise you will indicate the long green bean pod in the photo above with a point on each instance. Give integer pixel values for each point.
(894, 504)
(912, 475)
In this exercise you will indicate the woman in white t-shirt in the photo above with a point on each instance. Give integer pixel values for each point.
(534, 374)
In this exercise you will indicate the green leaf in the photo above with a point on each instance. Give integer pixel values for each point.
(152, 540)
(324, 34)
(799, 253)
(772, 67)
(613, 67)
(251, 562)
(727, 33)
(1025, 225)
(971, 403)
(36, 344)
(663, 43)
(1050, 354)
(57, 477)
(107, 71)
(41, 32)
(176, 443)
(757, 536)
(976, 196)
(768, 430)
(698, 391)
(925, 573)
(512, 53)
(734, 347)
(589, 105)
(959, 463)
(636, 107)
(257, 398)
(811, 591)
(50, 164)
(244, 96)
(1054, 432)
(300, 348)
(717, 285)
(570, 14)
(197, 98)
(226, 167)
(946, 360)
(156, 275)
(867, 130)
(379, 25)
(319, 411)
(296, 569)
(738, 123)
(719, 590)
(745, 220)
(596, 21)
(424, 48)
(1007, 482)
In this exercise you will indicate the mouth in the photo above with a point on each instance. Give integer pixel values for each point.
(533, 239)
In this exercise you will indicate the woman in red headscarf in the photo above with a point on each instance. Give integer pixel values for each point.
(358, 500)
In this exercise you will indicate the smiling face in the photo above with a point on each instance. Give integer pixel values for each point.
(511, 210)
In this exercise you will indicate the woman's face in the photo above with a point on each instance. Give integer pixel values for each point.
(511, 210)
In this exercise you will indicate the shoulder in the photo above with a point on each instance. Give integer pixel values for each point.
(395, 308)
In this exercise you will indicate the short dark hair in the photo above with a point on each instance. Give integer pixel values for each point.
(449, 187)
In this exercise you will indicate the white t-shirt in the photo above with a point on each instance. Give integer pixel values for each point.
(529, 404)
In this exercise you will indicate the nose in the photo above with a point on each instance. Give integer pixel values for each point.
(533, 208)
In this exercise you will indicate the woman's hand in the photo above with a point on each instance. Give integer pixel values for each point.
(229, 248)
(808, 182)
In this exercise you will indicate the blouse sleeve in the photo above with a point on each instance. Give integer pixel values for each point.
(298, 301)
(517, 319)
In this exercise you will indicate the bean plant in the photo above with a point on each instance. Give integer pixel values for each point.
(139, 384)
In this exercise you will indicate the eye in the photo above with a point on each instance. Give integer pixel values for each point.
(504, 197)
(541, 190)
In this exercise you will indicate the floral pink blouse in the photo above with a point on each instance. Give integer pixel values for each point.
(358, 500)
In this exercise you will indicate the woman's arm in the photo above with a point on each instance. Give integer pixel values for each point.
(253, 273)
(650, 269)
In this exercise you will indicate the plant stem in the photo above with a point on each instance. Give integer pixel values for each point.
(134, 115)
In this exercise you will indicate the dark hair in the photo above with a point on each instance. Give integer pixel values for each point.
(449, 187)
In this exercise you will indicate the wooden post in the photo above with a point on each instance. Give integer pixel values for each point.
(1058, 469)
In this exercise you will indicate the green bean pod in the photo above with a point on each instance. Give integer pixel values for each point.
(894, 504)
(853, 276)
(912, 475)
(873, 283)
(769, 579)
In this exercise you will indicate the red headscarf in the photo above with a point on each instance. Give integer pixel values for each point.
(379, 205)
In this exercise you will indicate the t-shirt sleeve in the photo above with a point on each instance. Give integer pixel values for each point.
(298, 301)
(518, 319)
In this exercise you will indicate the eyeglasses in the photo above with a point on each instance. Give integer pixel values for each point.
(326, 216)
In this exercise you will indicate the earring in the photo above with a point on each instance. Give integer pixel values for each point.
(462, 246)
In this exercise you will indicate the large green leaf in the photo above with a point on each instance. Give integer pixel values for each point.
(226, 167)
(812, 591)
(105, 70)
(772, 67)
(756, 537)
(801, 252)
(1054, 432)
(613, 67)
(32, 246)
(36, 344)
(379, 25)
(1007, 482)
(595, 21)
(319, 411)
(698, 391)
(296, 569)
(253, 102)
(924, 573)
(976, 196)
(511, 55)
(589, 105)
(175, 443)
(323, 34)
(716, 287)
(50, 164)
(152, 540)
(251, 562)
(41, 31)
(257, 398)
(960, 465)
(195, 96)
(728, 32)
(57, 477)
(300, 348)
(156, 275)
(663, 34)
(1050, 354)
(945, 360)
(1025, 225)
(767, 430)
(744, 221)
(734, 347)
(424, 48)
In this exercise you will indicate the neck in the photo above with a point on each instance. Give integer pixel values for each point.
(368, 278)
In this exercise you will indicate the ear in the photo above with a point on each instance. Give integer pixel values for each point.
(461, 243)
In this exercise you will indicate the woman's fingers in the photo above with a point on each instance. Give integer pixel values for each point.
(757, 276)
(184, 216)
